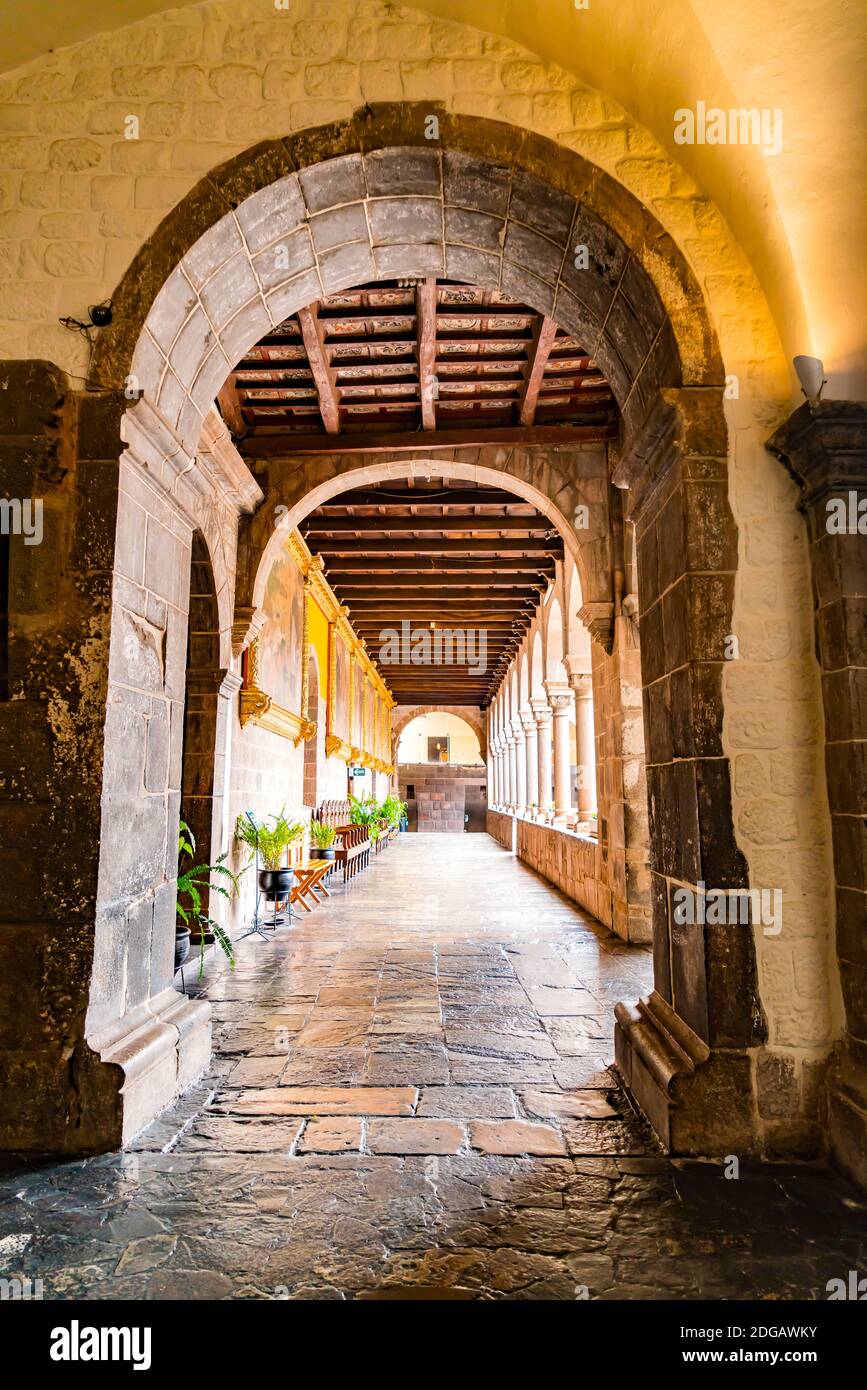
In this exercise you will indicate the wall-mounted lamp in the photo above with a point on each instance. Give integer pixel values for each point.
(811, 374)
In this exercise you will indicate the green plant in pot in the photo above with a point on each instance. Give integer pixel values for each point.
(392, 811)
(271, 842)
(193, 882)
(322, 839)
(364, 813)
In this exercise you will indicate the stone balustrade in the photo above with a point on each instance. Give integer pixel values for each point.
(569, 859)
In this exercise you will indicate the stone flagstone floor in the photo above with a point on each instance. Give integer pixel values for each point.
(411, 1096)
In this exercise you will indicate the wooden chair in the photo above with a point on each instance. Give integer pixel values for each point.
(310, 882)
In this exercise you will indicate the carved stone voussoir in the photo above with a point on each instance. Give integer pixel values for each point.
(684, 421)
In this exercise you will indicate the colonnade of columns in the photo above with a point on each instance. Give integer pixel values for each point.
(530, 760)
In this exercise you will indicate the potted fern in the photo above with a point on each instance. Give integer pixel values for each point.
(193, 882)
(391, 810)
(272, 842)
(322, 839)
(363, 813)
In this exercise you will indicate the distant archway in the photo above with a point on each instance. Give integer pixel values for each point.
(405, 715)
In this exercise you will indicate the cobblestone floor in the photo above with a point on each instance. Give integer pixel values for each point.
(411, 1096)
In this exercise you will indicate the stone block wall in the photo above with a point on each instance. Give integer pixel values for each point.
(51, 756)
(440, 793)
(440, 805)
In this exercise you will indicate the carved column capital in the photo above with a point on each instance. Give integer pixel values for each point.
(598, 618)
(824, 447)
(580, 679)
(560, 697)
(246, 627)
(542, 712)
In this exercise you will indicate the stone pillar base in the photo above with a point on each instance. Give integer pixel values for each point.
(847, 1118)
(98, 1097)
(699, 1102)
(160, 1049)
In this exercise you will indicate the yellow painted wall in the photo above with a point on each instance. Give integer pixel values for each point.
(319, 643)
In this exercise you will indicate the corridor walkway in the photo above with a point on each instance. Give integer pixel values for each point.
(411, 1097)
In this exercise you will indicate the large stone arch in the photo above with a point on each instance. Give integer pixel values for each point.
(497, 207)
(385, 210)
(204, 264)
(296, 486)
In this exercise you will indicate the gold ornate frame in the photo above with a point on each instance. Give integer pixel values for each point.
(258, 707)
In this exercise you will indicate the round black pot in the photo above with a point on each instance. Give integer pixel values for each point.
(182, 945)
(276, 883)
(318, 853)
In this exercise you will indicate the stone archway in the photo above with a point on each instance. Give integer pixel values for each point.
(404, 715)
(297, 487)
(506, 210)
(270, 191)
(304, 235)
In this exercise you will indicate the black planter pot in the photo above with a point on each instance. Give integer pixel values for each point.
(182, 945)
(319, 853)
(276, 883)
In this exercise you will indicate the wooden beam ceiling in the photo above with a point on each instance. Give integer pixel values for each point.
(379, 365)
(544, 334)
(411, 367)
(405, 565)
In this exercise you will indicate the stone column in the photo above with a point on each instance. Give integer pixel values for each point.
(511, 773)
(543, 717)
(494, 790)
(101, 1042)
(825, 448)
(581, 683)
(687, 1051)
(531, 748)
(560, 700)
(520, 767)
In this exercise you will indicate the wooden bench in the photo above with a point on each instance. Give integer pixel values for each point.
(352, 845)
